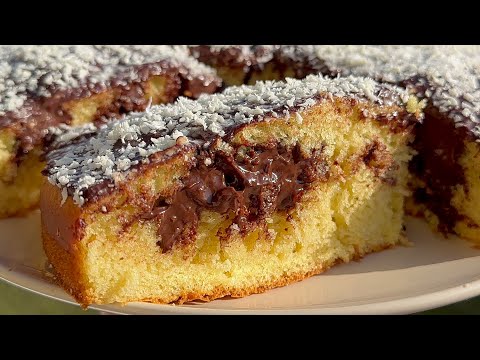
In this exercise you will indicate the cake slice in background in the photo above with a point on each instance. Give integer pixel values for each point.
(246, 64)
(44, 86)
(232, 194)
(445, 171)
(446, 177)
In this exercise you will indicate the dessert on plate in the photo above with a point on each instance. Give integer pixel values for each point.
(237, 192)
(230, 194)
(43, 87)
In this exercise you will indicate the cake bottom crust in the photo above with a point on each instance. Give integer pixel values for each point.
(59, 256)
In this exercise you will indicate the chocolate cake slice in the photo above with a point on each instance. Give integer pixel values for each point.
(231, 194)
(44, 86)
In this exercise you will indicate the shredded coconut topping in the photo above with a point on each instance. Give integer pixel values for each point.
(64, 134)
(242, 54)
(38, 70)
(119, 145)
(447, 75)
(244, 50)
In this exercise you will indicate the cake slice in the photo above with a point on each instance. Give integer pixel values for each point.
(445, 182)
(231, 194)
(44, 86)
(446, 186)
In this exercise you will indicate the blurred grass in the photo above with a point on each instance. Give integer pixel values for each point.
(18, 301)
(467, 307)
(14, 300)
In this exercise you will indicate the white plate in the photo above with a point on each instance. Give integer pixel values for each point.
(433, 273)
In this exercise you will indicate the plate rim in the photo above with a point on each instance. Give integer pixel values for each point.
(404, 305)
(22, 273)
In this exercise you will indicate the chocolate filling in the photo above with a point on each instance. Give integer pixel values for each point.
(251, 183)
(440, 145)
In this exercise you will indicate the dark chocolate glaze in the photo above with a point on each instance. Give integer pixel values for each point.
(301, 65)
(258, 57)
(232, 57)
(56, 150)
(30, 127)
(31, 122)
(251, 184)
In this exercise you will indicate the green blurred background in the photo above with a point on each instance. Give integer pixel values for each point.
(17, 301)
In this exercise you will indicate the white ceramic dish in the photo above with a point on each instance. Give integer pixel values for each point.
(433, 273)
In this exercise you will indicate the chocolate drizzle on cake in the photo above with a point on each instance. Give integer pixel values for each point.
(42, 71)
(250, 183)
(292, 61)
(234, 56)
(127, 143)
